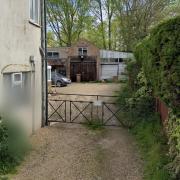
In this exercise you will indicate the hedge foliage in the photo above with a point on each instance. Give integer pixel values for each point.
(158, 57)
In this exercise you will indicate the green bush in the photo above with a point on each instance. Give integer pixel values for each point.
(155, 72)
(158, 55)
(138, 113)
(174, 143)
(133, 68)
(133, 107)
(152, 142)
(13, 145)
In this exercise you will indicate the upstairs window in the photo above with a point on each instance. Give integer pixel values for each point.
(82, 51)
(34, 11)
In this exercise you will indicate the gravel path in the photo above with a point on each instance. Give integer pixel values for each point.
(73, 152)
(89, 88)
(108, 89)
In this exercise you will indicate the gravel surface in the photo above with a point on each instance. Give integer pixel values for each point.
(89, 88)
(74, 152)
(108, 89)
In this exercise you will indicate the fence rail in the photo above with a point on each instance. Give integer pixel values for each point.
(83, 95)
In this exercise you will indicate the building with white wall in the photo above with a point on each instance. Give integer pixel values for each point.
(113, 64)
(21, 61)
(89, 61)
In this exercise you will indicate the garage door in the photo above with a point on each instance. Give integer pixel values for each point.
(86, 69)
(108, 71)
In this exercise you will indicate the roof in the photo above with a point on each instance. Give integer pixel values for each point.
(115, 54)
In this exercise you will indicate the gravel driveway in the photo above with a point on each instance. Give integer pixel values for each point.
(108, 89)
(74, 152)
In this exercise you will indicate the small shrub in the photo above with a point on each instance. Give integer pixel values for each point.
(13, 145)
(134, 107)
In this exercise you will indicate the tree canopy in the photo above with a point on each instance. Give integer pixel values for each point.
(109, 24)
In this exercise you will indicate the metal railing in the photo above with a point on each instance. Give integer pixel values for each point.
(81, 111)
(83, 95)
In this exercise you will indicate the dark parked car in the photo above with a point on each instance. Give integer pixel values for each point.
(59, 80)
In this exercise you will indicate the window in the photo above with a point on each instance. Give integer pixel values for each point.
(17, 88)
(113, 60)
(82, 51)
(49, 54)
(104, 60)
(53, 55)
(49, 73)
(121, 60)
(17, 80)
(34, 11)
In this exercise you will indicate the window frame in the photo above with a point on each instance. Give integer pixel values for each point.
(52, 55)
(82, 51)
(16, 83)
(32, 7)
(49, 74)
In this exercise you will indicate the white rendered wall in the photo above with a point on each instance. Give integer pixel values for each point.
(18, 41)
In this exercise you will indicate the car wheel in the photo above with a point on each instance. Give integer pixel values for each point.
(58, 84)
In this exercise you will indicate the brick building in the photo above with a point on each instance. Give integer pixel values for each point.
(81, 58)
(86, 59)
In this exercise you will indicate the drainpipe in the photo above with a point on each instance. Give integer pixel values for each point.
(32, 62)
(43, 51)
(46, 65)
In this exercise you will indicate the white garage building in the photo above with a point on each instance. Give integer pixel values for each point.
(113, 63)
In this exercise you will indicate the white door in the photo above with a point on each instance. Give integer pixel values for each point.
(109, 70)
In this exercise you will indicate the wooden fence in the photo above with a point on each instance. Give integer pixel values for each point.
(162, 109)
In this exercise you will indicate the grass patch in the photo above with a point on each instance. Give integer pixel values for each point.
(154, 149)
(94, 125)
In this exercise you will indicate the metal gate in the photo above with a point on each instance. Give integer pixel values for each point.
(100, 108)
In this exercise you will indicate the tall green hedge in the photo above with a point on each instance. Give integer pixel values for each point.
(159, 56)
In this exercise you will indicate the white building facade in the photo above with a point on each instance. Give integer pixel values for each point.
(113, 64)
(21, 61)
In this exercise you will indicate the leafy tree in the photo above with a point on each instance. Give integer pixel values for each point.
(109, 24)
(136, 17)
(171, 10)
(52, 42)
(66, 18)
(97, 9)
